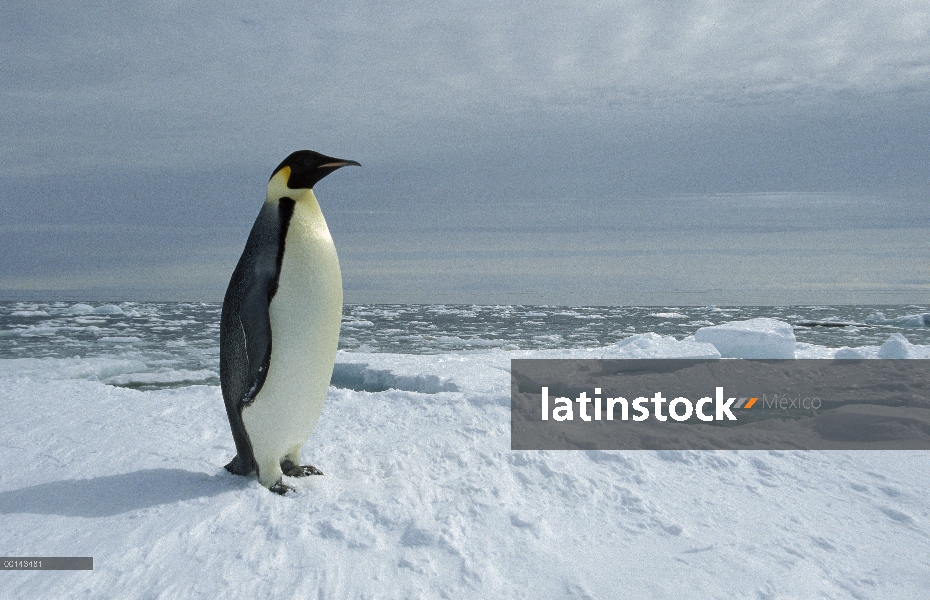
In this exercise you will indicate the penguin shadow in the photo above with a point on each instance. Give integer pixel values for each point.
(115, 494)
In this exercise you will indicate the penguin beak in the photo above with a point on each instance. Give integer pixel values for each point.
(338, 163)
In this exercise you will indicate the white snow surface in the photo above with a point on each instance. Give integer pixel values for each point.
(423, 498)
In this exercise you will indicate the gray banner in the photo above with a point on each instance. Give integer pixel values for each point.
(47, 563)
(686, 404)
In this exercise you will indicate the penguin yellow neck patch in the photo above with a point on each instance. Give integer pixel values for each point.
(277, 186)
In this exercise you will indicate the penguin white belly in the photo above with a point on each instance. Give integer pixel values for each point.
(305, 314)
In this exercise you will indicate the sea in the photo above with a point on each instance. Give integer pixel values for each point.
(158, 345)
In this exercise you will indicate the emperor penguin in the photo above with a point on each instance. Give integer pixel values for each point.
(280, 325)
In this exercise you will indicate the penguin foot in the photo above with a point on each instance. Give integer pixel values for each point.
(237, 466)
(292, 470)
(281, 488)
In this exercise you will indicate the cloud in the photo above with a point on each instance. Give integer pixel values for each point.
(169, 115)
(91, 84)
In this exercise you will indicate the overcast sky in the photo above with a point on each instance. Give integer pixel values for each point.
(533, 152)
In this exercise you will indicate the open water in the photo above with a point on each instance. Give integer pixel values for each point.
(177, 344)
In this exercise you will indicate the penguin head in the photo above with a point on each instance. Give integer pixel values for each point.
(306, 167)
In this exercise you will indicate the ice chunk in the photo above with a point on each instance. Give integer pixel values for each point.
(80, 309)
(653, 345)
(108, 309)
(805, 350)
(918, 320)
(895, 347)
(163, 378)
(44, 369)
(857, 353)
(755, 338)
(360, 377)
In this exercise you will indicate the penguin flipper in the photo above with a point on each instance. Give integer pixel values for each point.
(245, 331)
(261, 265)
(245, 353)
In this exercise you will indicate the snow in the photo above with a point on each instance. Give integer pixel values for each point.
(423, 498)
(755, 338)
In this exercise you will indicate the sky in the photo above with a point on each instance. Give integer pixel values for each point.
(650, 153)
